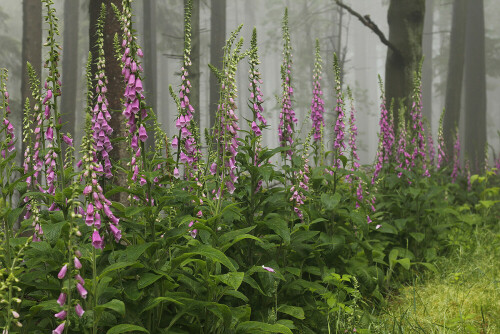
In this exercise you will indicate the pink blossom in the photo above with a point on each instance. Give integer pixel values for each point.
(62, 272)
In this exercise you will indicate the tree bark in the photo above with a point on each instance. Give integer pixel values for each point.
(116, 86)
(217, 41)
(31, 47)
(427, 64)
(406, 23)
(150, 67)
(70, 66)
(455, 75)
(475, 85)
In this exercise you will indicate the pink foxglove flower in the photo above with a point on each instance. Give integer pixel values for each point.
(81, 290)
(61, 315)
(59, 329)
(79, 310)
(62, 299)
(62, 272)
(271, 270)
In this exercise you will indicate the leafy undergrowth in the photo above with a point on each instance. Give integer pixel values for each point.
(462, 297)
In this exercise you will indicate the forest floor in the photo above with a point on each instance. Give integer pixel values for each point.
(463, 296)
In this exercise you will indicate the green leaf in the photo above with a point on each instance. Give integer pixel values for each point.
(254, 327)
(207, 251)
(419, 237)
(124, 328)
(393, 255)
(279, 225)
(294, 311)
(116, 266)
(231, 235)
(132, 253)
(159, 300)
(52, 232)
(234, 280)
(330, 201)
(147, 279)
(405, 262)
(115, 305)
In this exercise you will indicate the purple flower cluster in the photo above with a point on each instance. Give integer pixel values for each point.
(456, 158)
(430, 149)
(338, 144)
(467, 171)
(441, 146)
(101, 116)
(134, 109)
(317, 103)
(9, 128)
(403, 158)
(80, 282)
(386, 139)
(287, 114)
(353, 133)
(298, 197)
(418, 139)
(227, 135)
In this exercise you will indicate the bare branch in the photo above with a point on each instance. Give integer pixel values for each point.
(366, 20)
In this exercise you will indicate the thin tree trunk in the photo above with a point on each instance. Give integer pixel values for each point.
(455, 75)
(115, 81)
(475, 85)
(31, 46)
(70, 65)
(150, 65)
(406, 23)
(427, 64)
(217, 41)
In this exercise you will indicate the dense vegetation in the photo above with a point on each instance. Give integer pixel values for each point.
(228, 238)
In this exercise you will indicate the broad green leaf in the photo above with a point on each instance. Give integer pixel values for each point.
(234, 280)
(279, 225)
(254, 327)
(393, 255)
(125, 328)
(330, 201)
(405, 262)
(115, 305)
(207, 251)
(132, 253)
(147, 279)
(116, 266)
(159, 300)
(294, 311)
(52, 232)
(419, 237)
(231, 235)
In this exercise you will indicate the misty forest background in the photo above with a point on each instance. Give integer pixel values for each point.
(466, 57)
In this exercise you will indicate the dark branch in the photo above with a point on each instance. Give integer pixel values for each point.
(366, 20)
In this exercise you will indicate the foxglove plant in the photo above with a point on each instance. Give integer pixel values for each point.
(301, 180)
(134, 108)
(10, 136)
(317, 103)
(225, 130)
(456, 157)
(287, 114)
(441, 159)
(386, 135)
(403, 157)
(418, 132)
(256, 97)
(353, 133)
(186, 143)
(339, 144)
(98, 206)
(101, 116)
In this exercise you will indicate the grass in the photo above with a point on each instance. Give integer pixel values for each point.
(463, 297)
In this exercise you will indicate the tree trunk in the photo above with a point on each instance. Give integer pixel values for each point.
(455, 75)
(217, 41)
(115, 80)
(70, 66)
(194, 95)
(31, 47)
(475, 85)
(406, 23)
(427, 64)
(150, 67)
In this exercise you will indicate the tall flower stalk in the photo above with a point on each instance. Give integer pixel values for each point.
(186, 142)
(317, 104)
(441, 155)
(456, 157)
(339, 144)
(287, 114)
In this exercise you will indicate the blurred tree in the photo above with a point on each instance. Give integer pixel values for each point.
(70, 66)
(31, 45)
(427, 69)
(475, 85)
(217, 41)
(455, 75)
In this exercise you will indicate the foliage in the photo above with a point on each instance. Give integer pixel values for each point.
(223, 241)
